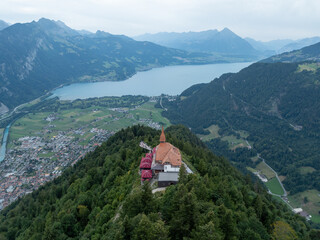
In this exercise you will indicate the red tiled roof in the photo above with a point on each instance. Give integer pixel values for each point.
(146, 174)
(145, 165)
(146, 159)
(167, 153)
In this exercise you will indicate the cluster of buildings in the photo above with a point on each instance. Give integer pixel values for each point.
(34, 161)
(162, 164)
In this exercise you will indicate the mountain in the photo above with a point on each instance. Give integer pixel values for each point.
(309, 53)
(299, 44)
(224, 43)
(3, 25)
(39, 56)
(270, 47)
(273, 108)
(101, 197)
(282, 45)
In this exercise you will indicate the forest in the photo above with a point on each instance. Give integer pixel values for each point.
(101, 197)
(277, 105)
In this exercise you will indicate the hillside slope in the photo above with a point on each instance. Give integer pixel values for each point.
(275, 107)
(101, 198)
(39, 56)
(309, 53)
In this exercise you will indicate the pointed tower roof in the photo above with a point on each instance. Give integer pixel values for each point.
(162, 137)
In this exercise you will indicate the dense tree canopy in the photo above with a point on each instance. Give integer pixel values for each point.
(101, 198)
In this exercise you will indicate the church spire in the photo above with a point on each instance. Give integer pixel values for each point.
(162, 136)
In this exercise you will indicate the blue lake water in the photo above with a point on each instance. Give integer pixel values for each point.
(171, 80)
(4, 143)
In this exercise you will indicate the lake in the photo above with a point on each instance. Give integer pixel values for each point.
(171, 80)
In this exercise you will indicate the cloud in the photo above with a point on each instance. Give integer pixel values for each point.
(263, 19)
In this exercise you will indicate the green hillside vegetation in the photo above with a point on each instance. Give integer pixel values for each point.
(310, 202)
(276, 105)
(101, 198)
(309, 53)
(40, 56)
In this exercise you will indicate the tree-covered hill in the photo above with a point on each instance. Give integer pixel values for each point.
(278, 107)
(39, 56)
(101, 198)
(309, 53)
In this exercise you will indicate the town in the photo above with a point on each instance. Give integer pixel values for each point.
(44, 151)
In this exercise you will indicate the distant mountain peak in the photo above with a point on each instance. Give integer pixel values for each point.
(3, 25)
(57, 28)
(223, 42)
(226, 30)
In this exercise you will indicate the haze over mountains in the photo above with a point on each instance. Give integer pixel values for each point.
(226, 43)
(39, 56)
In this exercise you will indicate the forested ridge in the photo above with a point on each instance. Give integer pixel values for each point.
(277, 104)
(101, 198)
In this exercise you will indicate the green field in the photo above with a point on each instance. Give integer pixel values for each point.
(214, 133)
(265, 170)
(254, 159)
(306, 170)
(243, 134)
(148, 111)
(309, 201)
(35, 124)
(251, 169)
(274, 186)
(234, 142)
(308, 67)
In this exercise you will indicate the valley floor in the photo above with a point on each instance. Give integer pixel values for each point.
(43, 143)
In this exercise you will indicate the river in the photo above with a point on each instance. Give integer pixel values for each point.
(170, 80)
(4, 143)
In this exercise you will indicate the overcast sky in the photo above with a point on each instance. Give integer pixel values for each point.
(259, 19)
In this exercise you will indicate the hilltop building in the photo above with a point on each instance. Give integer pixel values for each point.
(162, 163)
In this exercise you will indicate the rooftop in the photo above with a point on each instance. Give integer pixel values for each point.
(165, 176)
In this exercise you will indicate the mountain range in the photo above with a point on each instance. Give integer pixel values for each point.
(39, 56)
(224, 43)
(283, 45)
